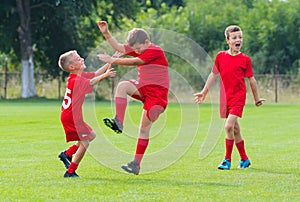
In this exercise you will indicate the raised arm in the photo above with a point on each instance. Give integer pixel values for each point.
(102, 25)
(108, 73)
(253, 85)
(199, 97)
(102, 69)
(121, 61)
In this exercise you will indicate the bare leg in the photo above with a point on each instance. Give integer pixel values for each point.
(83, 145)
(230, 126)
(229, 141)
(239, 143)
(237, 133)
(145, 126)
(126, 88)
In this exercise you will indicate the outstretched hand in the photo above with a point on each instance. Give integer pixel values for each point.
(199, 97)
(106, 58)
(260, 101)
(110, 72)
(117, 54)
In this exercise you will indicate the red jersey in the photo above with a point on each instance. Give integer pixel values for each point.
(233, 70)
(155, 69)
(71, 111)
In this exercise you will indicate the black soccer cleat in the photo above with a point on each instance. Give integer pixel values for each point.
(65, 159)
(114, 124)
(132, 167)
(70, 175)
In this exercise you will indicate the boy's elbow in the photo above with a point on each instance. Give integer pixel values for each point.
(136, 63)
(93, 82)
(252, 79)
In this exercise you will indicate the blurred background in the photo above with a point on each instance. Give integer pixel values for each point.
(33, 33)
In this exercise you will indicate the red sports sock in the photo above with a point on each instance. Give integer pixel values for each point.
(72, 150)
(121, 104)
(229, 147)
(241, 148)
(72, 168)
(140, 149)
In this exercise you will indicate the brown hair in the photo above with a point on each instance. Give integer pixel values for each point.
(231, 28)
(137, 35)
(65, 59)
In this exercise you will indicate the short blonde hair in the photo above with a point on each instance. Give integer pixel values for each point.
(65, 60)
(137, 35)
(231, 28)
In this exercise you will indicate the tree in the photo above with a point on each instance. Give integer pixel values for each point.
(272, 36)
(47, 28)
(156, 4)
(209, 20)
(27, 69)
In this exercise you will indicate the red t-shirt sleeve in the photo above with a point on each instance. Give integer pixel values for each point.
(88, 75)
(215, 68)
(147, 56)
(249, 70)
(150, 54)
(83, 82)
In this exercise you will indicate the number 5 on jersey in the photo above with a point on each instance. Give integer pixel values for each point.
(67, 99)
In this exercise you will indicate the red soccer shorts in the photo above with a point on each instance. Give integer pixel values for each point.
(154, 97)
(78, 131)
(234, 110)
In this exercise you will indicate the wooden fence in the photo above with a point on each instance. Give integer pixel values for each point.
(275, 88)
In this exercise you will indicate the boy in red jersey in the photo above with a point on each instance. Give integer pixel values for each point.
(151, 88)
(79, 84)
(233, 66)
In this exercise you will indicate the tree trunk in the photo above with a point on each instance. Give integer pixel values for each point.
(27, 67)
(27, 76)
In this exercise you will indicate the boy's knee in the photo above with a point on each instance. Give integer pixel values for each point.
(122, 85)
(154, 112)
(92, 136)
(229, 127)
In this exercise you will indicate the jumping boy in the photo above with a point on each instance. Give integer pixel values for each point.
(151, 88)
(79, 84)
(233, 66)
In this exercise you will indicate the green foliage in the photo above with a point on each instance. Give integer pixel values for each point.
(270, 28)
(272, 36)
(209, 20)
(9, 27)
(157, 4)
(58, 26)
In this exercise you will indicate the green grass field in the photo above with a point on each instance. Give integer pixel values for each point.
(32, 137)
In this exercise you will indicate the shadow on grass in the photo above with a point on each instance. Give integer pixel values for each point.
(136, 181)
(277, 172)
